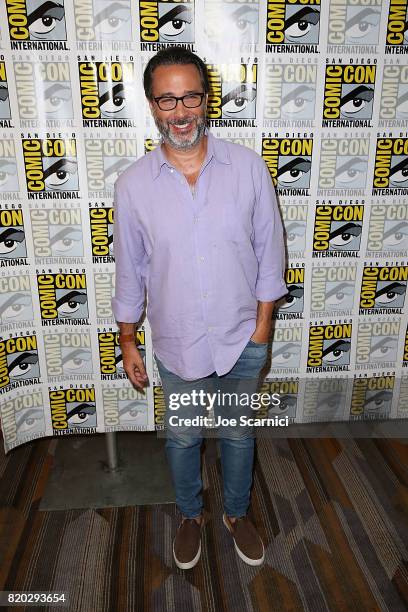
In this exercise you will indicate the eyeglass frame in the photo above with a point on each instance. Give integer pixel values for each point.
(177, 98)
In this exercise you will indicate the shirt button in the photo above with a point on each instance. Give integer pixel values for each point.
(171, 170)
(205, 295)
(201, 258)
(209, 328)
(196, 219)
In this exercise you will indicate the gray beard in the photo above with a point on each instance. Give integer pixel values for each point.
(182, 144)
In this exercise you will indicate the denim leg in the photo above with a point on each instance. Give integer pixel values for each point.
(237, 448)
(184, 458)
(183, 445)
(237, 458)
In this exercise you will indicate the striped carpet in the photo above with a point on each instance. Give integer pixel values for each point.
(333, 514)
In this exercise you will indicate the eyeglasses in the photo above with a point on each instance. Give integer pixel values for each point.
(167, 103)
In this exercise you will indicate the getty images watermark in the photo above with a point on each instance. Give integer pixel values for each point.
(221, 399)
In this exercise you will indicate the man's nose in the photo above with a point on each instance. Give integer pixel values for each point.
(180, 108)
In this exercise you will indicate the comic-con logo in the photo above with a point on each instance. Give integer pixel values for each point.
(9, 185)
(231, 23)
(325, 400)
(124, 408)
(22, 418)
(73, 411)
(383, 289)
(150, 144)
(292, 305)
(402, 406)
(35, 24)
(332, 290)
(289, 162)
(294, 221)
(391, 167)
(292, 26)
(5, 111)
(343, 166)
(286, 350)
(101, 220)
(397, 31)
(106, 159)
(394, 97)
(104, 284)
(167, 23)
(289, 95)
(329, 347)
(405, 353)
(388, 230)
(51, 168)
(377, 344)
(353, 22)
(19, 363)
(103, 20)
(348, 95)
(44, 93)
(232, 97)
(63, 299)
(68, 356)
(288, 390)
(57, 235)
(107, 93)
(16, 307)
(337, 230)
(159, 405)
(372, 397)
(110, 353)
(13, 249)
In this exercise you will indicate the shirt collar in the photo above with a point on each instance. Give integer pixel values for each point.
(216, 148)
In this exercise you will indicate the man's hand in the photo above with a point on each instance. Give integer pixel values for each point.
(263, 322)
(261, 334)
(134, 366)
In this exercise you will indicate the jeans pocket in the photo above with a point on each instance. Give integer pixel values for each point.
(260, 344)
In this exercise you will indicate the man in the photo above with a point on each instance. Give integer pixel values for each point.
(197, 225)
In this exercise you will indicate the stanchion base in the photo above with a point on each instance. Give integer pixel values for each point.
(81, 478)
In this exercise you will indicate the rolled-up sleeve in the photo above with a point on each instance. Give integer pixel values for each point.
(268, 242)
(130, 260)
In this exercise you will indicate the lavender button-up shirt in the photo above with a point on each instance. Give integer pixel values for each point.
(205, 260)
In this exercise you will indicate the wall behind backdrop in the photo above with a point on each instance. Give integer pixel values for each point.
(319, 90)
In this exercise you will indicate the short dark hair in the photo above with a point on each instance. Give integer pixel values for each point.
(169, 57)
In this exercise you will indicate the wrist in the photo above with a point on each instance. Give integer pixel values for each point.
(127, 339)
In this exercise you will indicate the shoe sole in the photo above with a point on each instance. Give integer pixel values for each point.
(240, 554)
(188, 564)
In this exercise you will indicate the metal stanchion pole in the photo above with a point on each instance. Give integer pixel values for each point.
(111, 448)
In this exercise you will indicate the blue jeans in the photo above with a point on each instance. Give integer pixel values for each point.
(237, 444)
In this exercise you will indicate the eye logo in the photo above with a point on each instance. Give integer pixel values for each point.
(292, 24)
(63, 297)
(51, 165)
(12, 235)
(107, 93)
(292, 305)
(103, 20)
(289, 163)
(36, 20)
(383, 289)
(286, 349)
(232, 97)
(391, 166)
(21, 361)
(73, 409)
(372, 397)
(5, 111)
(353, 24)
(329, 347)
(231, 23)
(348, 95)
(337, 229)
(166, 22)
